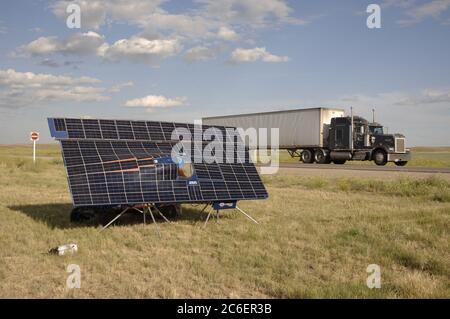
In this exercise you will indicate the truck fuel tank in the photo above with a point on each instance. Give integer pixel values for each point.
(340, 155)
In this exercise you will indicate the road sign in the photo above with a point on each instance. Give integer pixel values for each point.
(34, 136)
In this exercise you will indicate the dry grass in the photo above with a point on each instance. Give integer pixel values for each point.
(316, 238)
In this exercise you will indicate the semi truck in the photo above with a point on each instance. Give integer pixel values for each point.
(325, 135)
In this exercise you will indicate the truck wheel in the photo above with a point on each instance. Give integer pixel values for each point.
(307, 157)
(402, 163)
(321, 157)
(380, 157)
(339, 162)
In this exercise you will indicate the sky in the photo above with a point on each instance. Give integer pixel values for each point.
(184, 60)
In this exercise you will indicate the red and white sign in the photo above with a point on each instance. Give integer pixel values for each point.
(34, 136)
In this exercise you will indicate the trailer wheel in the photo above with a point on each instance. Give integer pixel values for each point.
(307, 157)
(401, 163)
(170, 211)
(82, 214)
(380, 157)
(321, 157)
(339, 162)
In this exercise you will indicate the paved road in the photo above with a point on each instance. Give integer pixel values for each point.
(361, 171)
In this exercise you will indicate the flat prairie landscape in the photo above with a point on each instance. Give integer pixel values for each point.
(421, 157)
(316, 237)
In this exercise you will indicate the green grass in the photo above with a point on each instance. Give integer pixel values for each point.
(26, 151)
(315, 239)
(428, 189)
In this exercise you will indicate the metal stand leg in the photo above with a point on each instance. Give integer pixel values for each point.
(115, 218)
(207, 218)
(204, 208)
(159, 212)
(154, 221)
(247, 215)
(217, 215)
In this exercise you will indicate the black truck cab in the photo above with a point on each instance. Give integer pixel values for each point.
(354, 138)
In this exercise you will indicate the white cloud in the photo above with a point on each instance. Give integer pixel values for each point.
(153, 101)
(200, 53)
(228, 34)
(138, 49)
(12, 78)
(162, 32)
(78, 44)
(93, 13)
(417, 12)
(135, 49)
(253, 12)
(256, 54)
(427, 96)
(21, 89)
(97, 13)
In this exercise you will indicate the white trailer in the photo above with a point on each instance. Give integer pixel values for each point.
(298, 128)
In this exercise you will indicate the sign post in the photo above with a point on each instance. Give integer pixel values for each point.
(34, 136)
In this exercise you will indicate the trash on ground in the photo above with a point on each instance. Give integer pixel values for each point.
(64, 249)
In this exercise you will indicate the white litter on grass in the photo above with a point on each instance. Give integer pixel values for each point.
(64, 249)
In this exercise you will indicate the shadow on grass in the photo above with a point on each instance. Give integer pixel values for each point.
(57, 215)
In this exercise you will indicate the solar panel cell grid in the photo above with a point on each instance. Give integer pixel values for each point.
(118, 162)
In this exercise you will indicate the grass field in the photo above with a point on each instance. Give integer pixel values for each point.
(315, 239)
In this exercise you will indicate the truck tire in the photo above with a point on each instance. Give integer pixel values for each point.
(380, 157)
(307, 157)
(321, 157)
(339, 162)
(402, 163)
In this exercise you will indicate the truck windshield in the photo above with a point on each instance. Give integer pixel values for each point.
(376, 130)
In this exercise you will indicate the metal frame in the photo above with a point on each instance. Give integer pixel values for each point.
(217, 214)
(294, 152)
(146, 208)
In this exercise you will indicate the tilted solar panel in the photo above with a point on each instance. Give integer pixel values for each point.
(113, 162)
(68, 128)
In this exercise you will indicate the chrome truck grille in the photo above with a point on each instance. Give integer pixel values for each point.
(400, 145)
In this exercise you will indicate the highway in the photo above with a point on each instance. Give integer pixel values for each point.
(360, 171)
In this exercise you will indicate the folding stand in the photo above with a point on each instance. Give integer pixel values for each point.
(147, 208)
(247, 215)
(217, 214)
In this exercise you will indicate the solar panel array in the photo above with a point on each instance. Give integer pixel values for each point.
(112, 162)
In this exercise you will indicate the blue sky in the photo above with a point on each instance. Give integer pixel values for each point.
(182, 60)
